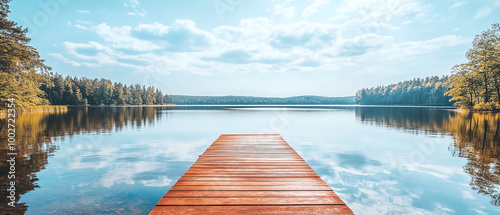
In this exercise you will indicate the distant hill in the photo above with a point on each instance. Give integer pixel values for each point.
(250, 100)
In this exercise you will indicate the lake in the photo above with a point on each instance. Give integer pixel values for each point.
(379, 160)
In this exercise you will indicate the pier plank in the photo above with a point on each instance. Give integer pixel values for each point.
(250, 174)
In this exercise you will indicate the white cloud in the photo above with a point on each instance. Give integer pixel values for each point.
(126, 173)
(146, 47)
(313, 8)
(439, 171)
(155, 28)
(467, 195)
(132, 3)
(457, 5)
(83, 22)
(479, 211)
(136, 14)
(302, 34)
(136, 10)
(60, 57)
(370, 190)
(112, 160)
(384, 10)
(161, 181)
(411, 49)
(83, 11)
(441, 209)
(81, 27)
(93, 53)
(482, 13)
(120, 37)
(362, 44)
(287, 12)
(254, 45)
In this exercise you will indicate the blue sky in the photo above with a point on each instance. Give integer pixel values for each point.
(254, 48)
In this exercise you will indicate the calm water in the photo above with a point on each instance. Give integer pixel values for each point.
(380, 160)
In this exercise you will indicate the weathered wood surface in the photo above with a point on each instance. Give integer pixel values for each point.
(250, 174)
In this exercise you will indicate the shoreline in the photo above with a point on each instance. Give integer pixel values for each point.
(41, 108)
(65, 108)
(460, 110)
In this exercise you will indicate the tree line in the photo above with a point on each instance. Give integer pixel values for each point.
(84, 91)
(250, 100)
(476, 84)
(419, 91)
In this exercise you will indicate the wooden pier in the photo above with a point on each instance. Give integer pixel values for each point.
(250, 174)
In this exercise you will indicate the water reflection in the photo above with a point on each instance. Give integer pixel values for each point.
(151, 146)
(413, 120)
(36, 134)
(476, 136)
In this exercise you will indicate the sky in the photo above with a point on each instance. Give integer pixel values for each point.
(274, 48)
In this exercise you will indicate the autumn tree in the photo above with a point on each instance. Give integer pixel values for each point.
(464, 87)
(476, 84)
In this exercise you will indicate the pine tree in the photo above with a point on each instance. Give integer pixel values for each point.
(20, 63)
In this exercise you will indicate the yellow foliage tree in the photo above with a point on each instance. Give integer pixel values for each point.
(476, 84)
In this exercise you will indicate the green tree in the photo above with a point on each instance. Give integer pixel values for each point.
(20, 63)
(118, 96)
(159, 97)
(127, 94)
